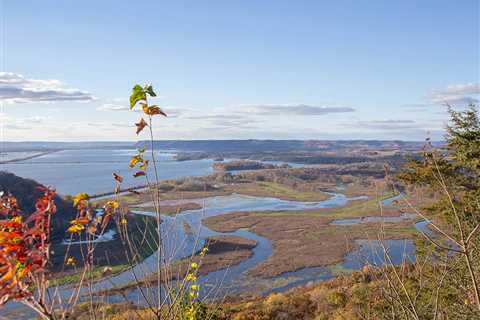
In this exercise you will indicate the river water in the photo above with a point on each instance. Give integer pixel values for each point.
(73, 171)
(90, 170)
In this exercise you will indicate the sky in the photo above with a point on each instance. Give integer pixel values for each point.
(246, 69)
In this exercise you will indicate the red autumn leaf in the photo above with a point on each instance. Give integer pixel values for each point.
(141, 125)
(24, 246)
(117, 177)
(153, 110)
(139, 174)
(35, 217)
(82, 221)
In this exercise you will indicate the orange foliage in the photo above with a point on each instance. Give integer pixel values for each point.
(24, 245)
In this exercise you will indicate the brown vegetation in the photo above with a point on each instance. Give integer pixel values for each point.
(301, 241)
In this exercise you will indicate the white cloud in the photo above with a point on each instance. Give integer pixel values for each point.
(122, 125)
(15, 88)
(112, 107)
(26, 123)
(386, 125)
(298, 109)
(172, 112)
(16, 127)
(250, 116)
(235, 123)
(237, 112)
(456, 94)
(35, 119)
(215, 117)
(4, 117)
(466, 88)
(391, 121)
(226, 120)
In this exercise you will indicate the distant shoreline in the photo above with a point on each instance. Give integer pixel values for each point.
(33, 156)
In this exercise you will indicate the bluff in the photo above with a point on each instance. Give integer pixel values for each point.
(26, 191)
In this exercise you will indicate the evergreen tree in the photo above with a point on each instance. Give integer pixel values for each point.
(452, 174)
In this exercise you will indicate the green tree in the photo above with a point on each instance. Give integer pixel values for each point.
(452, 173)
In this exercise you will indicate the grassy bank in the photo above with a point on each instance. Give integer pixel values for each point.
(276, 190)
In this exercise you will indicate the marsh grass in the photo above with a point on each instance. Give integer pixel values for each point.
(281, 191)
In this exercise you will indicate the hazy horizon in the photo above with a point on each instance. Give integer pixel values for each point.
(232, 139)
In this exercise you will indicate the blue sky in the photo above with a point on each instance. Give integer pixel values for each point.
(237, 69)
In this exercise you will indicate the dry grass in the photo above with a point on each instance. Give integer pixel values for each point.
(276, 190)
(303, 241)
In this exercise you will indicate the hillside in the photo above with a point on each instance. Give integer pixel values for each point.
(26, 192)
(254, 145)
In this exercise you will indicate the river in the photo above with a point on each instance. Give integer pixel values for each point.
(73, 171)
(90, 170)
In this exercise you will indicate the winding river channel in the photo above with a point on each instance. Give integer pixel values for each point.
(183, 242)
(234, 280)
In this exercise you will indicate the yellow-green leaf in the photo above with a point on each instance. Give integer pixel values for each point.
(138, 94)
(79, 197)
